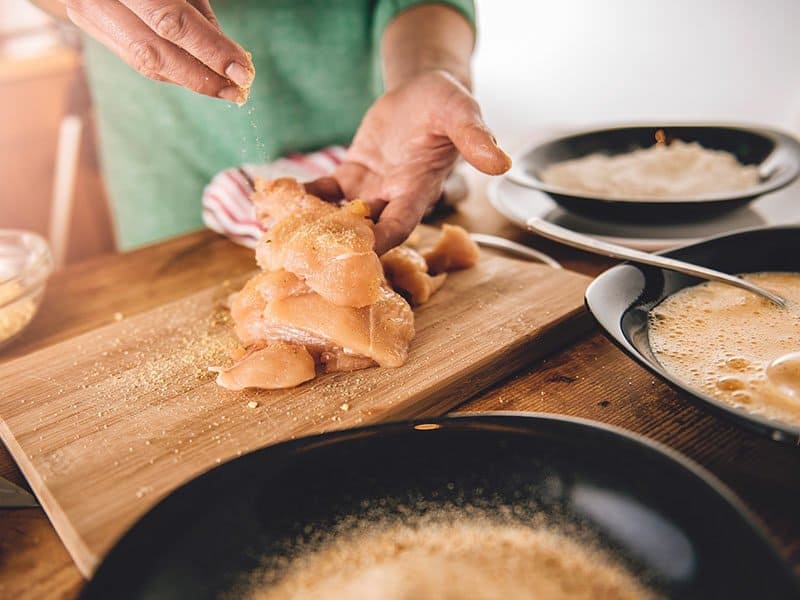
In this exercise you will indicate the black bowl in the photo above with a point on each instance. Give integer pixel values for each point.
(621, 298)
(668, 520)
(776, 153)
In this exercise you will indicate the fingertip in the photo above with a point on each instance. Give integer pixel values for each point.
(232, 93)
(240, 75)
(500, 163)
(387, 236)
(479, 147)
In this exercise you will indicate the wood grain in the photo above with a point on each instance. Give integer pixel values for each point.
(88, 295)
(106, 423)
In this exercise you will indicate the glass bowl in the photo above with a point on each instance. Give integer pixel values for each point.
(25, 265)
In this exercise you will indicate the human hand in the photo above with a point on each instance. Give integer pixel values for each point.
(405, 147)
(179, 41)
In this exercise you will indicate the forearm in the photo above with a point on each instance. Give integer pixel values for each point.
(424, 38)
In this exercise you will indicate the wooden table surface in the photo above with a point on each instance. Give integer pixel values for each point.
(590, 379)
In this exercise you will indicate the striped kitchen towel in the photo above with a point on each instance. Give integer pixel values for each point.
(226, 199)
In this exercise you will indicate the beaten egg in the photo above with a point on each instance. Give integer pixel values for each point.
(734, 345)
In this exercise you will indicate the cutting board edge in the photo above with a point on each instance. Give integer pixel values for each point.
(85, 560)
(549, 342)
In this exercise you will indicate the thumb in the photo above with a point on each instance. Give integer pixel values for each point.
(325, 188)
(470, 135)
(399, 219)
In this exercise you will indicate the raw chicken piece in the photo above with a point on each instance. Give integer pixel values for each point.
(379, 332)
(248, 304)
(407, 271)
(278, 199)
(322, 302)
(453, 250)
(337, 360)
(330, 248)
(265, 287)
(275, 366)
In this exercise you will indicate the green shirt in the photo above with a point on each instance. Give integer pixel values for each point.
(317, 72)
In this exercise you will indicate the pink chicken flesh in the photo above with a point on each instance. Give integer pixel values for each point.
(330, 248)
(322, 302)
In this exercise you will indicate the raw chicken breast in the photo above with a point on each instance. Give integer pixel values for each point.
(381, 331)
(453, 250)
(278, 365)
(336, 359)
(330, 248)
(278, 199)
(322, 302)
(407, 272)
(249, 303)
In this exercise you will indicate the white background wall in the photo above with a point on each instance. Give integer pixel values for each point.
(543, 64)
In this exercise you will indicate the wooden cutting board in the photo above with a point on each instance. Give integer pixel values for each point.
(105, 424)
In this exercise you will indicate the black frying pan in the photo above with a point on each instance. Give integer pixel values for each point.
(666, 519)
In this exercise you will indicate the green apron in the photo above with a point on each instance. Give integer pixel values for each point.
(317, 72)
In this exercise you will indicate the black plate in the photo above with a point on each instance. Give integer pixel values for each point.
(621, 298)
(752, 146)
(664, 517)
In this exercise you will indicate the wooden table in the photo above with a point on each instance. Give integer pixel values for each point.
(590, 379)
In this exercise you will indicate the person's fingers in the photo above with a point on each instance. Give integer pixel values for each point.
(204, 6)
(398, 220)
(376, 206)
(357, 181)
(464, 125)
(157, 77)
(101, 37)
(326, 188)
(329, 189)
(139, 46)
(185, 26)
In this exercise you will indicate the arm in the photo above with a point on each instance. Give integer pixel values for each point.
(427, 37)
(178, 41)
(410, 138)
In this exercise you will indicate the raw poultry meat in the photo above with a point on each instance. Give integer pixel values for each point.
(454, 250)
(273, 366)
(407, 271)
(330, 248)
(380, 331)
(323, 302)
